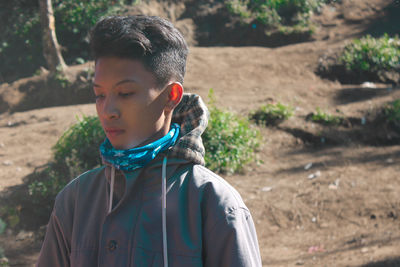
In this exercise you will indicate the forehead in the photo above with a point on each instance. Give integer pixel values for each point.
(114, 69)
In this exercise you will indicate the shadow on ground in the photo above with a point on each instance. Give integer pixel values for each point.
(358, 94)
(335, 158)
(20, 210)
(385, 263)
(388, 23)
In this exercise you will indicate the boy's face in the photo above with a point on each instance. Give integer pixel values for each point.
(130, 106)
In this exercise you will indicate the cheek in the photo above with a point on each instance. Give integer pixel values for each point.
(99, 111)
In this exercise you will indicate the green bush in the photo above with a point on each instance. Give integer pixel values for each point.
(275, 12)
(11, 215)
(230, 141)
(372, 55)
(391, 113)
(78, 148)
(326, 118)
(271, 114)
(45, 187)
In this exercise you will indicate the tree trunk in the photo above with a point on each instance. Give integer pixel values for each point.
(51, 48)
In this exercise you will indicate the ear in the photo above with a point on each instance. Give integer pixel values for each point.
(175, 93)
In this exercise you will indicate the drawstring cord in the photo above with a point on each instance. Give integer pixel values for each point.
(112, 188)
(164, 211)
(164, 205)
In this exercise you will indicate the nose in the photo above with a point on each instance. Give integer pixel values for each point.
(110, 108)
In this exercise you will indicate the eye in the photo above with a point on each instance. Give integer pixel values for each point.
(126, 94)
(98, 97)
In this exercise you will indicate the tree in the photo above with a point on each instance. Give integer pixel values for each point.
(51, 48)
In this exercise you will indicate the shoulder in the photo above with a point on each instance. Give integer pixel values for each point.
(219, 199)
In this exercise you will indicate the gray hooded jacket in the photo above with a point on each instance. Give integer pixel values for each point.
(204, 221)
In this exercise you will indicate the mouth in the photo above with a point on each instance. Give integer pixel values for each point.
(113, 132)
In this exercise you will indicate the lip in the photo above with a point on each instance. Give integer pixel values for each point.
(113, 132)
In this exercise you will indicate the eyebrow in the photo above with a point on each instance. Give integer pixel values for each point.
(118, 83)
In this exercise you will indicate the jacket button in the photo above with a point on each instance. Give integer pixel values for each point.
(112, 245)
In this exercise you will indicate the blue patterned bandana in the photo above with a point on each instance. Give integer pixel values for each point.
(134, 158)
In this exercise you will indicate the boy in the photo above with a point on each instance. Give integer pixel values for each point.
(152, 203)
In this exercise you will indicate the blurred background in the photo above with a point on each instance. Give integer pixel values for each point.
(304, 106)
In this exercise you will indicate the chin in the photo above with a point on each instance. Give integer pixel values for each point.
(128, 145)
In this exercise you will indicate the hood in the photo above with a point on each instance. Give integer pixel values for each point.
(192, 115)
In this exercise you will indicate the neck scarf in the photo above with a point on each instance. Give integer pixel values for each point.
(134, 158)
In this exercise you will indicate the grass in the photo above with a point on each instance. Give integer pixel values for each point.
(391, 112)
(272, 114)
(326, 118)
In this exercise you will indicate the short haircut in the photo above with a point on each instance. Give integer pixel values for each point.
(154, 41)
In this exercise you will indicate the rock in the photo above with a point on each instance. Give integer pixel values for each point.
(363, 121)
(308, 166)
(389, 160)
(368, 85)
(23, 235)
(7, 163)
(335, 185)
(314, 175)
(266, 189)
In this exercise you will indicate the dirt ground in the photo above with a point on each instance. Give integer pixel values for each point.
(322, 196)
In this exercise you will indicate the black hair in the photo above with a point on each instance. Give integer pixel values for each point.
(154, 41)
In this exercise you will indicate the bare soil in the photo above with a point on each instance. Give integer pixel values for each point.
(347, 214)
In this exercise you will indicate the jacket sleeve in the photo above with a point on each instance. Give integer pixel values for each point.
(232, 241)
(56, 248)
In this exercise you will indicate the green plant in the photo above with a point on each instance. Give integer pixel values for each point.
(271, 114)
(44, 189)
(230, 140)
(275, 12)
(11, 215)
(391, 113)
(372, 55)
(326, 118)
(78, 148)
(60, 77)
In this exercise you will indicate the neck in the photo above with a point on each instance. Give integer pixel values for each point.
(157, 135)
